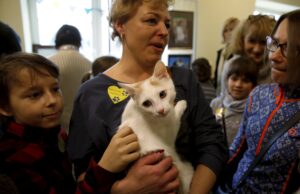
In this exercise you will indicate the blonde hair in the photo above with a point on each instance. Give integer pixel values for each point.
(230, 22)
(122, 11)
(263, 27)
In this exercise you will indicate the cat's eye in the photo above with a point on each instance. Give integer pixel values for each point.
(163, 94)
(147, 103)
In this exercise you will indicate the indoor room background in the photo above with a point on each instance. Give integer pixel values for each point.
(37, 24)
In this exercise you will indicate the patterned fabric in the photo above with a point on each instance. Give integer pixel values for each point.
(30, 157)
(32, 161)
(268, 109)
(97, 180)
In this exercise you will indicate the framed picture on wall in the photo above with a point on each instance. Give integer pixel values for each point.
(179, 61)
(181, 29)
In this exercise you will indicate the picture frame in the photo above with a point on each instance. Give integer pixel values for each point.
(181, 29)
(179, 61)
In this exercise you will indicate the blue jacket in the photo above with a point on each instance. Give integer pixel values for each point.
(268, 108)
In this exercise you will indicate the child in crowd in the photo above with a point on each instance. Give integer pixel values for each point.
(32, 153)
(100, 65)
(33, 159)
(241, 78)
(202, 69)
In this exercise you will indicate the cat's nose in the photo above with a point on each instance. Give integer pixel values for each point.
(161, 111)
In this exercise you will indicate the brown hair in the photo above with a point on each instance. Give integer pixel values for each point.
(230, 22)
(293, 42)
(202, 69)
(102, 63)
(244, 66)
(11, 65)
(123, 10)
(263, 24)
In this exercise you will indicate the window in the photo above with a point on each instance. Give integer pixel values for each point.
(272, 8)
(89, 16)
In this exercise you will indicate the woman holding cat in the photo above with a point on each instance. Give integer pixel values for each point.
(142, 27)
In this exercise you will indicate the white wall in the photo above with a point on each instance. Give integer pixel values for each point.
(210, 17)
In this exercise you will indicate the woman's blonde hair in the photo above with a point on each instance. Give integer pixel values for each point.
(263, 25)
(123, 10)
(231, 22)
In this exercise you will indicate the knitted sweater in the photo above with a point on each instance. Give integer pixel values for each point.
(72, 66)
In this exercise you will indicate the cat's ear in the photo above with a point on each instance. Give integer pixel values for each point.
(128, 87)
(160, 70)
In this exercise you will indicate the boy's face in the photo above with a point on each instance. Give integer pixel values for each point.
(239, 87)
(36, 100)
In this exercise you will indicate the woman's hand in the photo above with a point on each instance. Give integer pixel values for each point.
(122, 150)
(151, 174)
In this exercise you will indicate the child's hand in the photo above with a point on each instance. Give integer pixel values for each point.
(122, 149)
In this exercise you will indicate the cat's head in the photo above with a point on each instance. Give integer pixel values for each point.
(155, 95)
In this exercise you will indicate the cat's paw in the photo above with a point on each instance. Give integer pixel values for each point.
(180, 107)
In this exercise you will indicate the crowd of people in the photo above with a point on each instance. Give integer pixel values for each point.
(60, 115)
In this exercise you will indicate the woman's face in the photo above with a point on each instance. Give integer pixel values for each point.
(254, 46)
(146, 35)
(277, 61)
(228, 32)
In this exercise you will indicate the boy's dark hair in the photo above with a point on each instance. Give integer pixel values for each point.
(103, 63)
(244, 66)
(9, 40)
(11, 65)
(67, 34)
(202, 69)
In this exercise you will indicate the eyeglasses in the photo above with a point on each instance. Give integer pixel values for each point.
(272, 45)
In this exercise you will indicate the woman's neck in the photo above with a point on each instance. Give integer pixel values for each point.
(129, 72)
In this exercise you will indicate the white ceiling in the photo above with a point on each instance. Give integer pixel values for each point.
(276, 7)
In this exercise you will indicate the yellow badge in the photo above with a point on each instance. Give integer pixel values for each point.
(117, 94)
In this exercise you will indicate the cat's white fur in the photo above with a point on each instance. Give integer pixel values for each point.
(157, 125)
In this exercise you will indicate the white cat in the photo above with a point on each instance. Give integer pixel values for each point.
(155, 119)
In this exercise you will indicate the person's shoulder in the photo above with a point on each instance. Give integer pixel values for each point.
(263, 90)
(232, 58)
(263, 87)
(97, 83)
(216, 102)
(181, 75)
(76, 55)
(85, 58)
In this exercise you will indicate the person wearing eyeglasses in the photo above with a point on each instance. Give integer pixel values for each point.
(268, 109)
